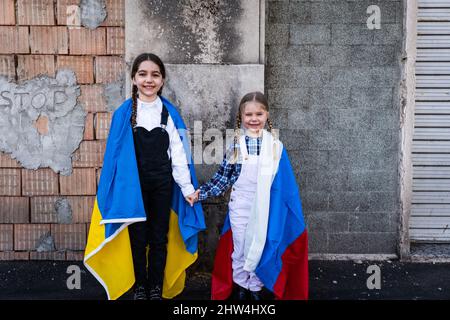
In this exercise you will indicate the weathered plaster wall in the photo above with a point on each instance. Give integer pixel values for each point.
(211, 92)
(41, 123)
(189, 31)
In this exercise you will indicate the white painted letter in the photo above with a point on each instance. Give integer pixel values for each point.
(374, 281)
(74, 281)
(374, 21)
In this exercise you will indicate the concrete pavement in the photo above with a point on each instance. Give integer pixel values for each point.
(329, 280)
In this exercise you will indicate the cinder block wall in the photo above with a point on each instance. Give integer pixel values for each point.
(35, 39)
(333, 87)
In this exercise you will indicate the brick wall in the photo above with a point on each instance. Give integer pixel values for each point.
(36, 37)
(333, 90)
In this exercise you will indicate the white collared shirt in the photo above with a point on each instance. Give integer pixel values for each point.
(149, 117)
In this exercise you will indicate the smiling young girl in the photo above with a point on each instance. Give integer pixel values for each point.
(161, 158)
(265, 217)
(146, 183)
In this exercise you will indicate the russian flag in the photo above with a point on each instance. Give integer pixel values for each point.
(119, 203)
(283, 267)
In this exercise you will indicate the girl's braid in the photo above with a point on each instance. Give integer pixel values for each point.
(237, 130)
(274, 134)
(134, 106)
(271, 130)
(269, 122)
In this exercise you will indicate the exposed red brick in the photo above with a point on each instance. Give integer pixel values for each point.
(14, 210)
(48, 255)
(14, 40)
(41, 125)
(68, 12)
(49, 40)
(108, 69)
(92, 98)
(102, 124)
(6, 237)
(89, 127)
(80, 182)
(99, 173)
(82, 66)
(81, 208)
(40, 182)
(86, 41)
(30, 66)
(35, 12)
(69, 236)
(10, 182)
(89, 154)
(115, 41)
(74, 255)
(7, 162)
(7, 12)
(7, 67)
(116, 13)
(43, 209)
(27, 236)
(14, 255)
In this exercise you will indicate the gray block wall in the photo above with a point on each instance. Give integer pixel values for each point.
(333, 88)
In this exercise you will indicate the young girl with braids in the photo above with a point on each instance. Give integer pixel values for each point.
(161, 159)
(146, 177)
(256, 208)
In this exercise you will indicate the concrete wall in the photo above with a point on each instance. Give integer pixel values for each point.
(211, 50)
(333, 85)
(408, 94)
(186, 32)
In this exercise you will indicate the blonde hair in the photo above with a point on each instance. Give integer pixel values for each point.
(256, 96)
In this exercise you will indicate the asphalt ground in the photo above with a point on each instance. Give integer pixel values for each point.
(329, 280)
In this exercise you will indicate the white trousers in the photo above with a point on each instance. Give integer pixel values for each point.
(241, 200)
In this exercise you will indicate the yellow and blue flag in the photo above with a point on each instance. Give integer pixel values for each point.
(119, 203)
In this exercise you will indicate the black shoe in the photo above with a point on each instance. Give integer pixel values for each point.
(255, 295)
(139, 293)
(242, 293)
(155, 293)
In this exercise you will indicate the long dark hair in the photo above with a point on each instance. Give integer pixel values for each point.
(134, 91)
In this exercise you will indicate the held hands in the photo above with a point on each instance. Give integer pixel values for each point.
(193, 198)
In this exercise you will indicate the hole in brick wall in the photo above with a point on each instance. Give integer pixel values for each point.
(41, 124)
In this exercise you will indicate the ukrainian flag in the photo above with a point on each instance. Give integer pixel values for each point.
(119, 203)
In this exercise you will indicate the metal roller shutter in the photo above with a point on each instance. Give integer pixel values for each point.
(430, 216)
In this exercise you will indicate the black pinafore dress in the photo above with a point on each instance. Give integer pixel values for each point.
(155, 175)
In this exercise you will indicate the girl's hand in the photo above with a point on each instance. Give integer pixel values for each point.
(196, 194)
(192, 198)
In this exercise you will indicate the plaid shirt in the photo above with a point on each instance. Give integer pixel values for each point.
(228, 172)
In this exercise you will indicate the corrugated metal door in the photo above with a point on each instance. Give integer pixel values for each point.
(430, 216)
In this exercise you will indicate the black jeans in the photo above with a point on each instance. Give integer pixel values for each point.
(157, 195)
